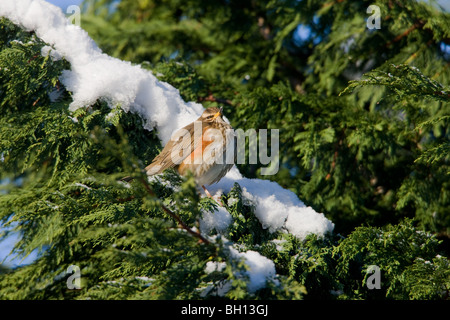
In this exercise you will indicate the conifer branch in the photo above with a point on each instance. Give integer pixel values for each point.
(325, 5)
(215, 99)
(405, 33)
(174, 215)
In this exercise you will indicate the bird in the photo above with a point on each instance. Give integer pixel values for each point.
(205, 147)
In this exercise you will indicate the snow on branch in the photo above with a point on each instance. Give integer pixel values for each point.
(95, 75)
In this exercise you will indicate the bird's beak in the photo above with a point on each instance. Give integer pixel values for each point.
(218, 113)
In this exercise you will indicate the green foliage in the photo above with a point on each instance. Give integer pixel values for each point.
(396, 251)
(425, 133)
(339, 268)
(364, 129)
(375, 154)
(32, 75)
(64, 198)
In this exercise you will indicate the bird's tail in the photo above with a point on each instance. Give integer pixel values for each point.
(150, 170)
(153, 168)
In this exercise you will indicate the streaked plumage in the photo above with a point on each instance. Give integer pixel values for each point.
(200, 147)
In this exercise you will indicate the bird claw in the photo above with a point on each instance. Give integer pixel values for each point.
(207, 193)
(219, 202)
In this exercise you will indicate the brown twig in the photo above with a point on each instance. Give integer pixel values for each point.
(214, 99)
(331, 3)
(122, 200)
(33, 58)
(437, 74)
(335, 155)
(333, 165)
(175, 216)
(35, 102)
(264, 29)
(405, 33)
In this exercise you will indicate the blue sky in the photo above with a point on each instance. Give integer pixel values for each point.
(65, 3)
(6, 246)
(445, 4)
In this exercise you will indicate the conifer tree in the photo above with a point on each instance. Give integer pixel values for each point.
(353, 157)
(363, 117)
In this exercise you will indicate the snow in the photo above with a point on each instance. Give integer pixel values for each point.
(278, 244)
(95, 75)
(304, 221)
(82, 185)
(276, 208)
(47, 50)
(260, 269)
(219, 220)
(213, 266)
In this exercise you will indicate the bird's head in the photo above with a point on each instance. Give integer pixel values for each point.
(212, 114)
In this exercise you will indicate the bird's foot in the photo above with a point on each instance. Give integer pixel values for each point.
(219, 202)
(207, 192)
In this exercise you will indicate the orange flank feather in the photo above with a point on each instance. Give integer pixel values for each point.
(196, 154)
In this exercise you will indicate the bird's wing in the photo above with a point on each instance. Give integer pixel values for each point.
(176, 150)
